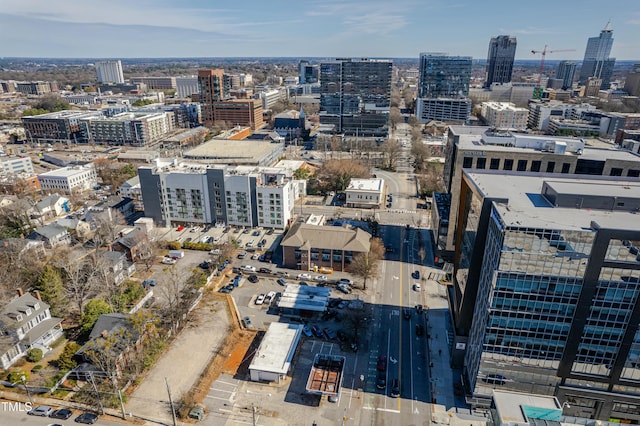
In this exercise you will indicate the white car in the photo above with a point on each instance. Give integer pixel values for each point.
(260, 299)
(40, 410)
(320, 278)
(215, 252)
(169, 261)
(303, 277)
(248, 268)
(255, 256)
(250, 243)
(416, 286)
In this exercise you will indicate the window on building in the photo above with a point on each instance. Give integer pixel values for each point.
(535, 166)
(467, 162)
(551, 166)
(522, 165)
(494, 164)
(566, 167)
(633, 173)
(616, 171)
(481, 163)
(508, 164)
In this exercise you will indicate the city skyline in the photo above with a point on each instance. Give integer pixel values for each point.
(284, 28)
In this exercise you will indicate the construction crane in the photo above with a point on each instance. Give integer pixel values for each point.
(543, 53)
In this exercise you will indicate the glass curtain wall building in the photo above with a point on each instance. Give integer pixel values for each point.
(355, 96)
(596, 62)
(547, 271)
(502, 52)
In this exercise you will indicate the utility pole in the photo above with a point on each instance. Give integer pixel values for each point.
(173, 410)
(253, 413)
(95, 388)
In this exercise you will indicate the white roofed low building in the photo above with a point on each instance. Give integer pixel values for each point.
(272, 360)
(365, 193)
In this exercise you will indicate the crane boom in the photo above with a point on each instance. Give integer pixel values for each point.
(543, 54)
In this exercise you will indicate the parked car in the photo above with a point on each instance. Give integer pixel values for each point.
(260, 299)
(242, 254)
(255, 256)
(419, 309)
(253, 278)
(282, 281)
(345, 281)
(168, 261)
(245, 231)
(282, 274)
(344, 288)
(416, 286)
(249, 243)
(263, 242)
(270, 231)
(307, 331)
(86, 418)
(264, 270)
(316, 331)
(303, 276)
(248, 268)
(62, 414)
(196, 413)
(382, 363)
(320, 278)
(256, 233)
(269, 297)
(40, 410)
(494, 379)
(415, 275)
(247, 322)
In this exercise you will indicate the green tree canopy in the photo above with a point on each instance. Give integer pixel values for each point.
(92, 312)
(49, 284)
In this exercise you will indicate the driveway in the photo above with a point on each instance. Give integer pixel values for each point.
(181, 365)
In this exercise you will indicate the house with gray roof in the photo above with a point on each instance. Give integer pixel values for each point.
(26, 323)
(311, 247)
(50, 206)
(116, 265)
(52, 235)
(16, 249)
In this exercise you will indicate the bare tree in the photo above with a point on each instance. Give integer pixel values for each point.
(391, 149)
(107, 226)
(173, 281)
(78, 278)
(366, 265)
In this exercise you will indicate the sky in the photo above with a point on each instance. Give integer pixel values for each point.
(310, 28)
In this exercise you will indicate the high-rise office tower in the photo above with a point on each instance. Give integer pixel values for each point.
(502, 52)
(211, 87)
(596, 62)
(355, 95)
(443, 88)
(566, 71)
(550, 264)
(109, 72)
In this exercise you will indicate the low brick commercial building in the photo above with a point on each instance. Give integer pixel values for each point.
(307, 247)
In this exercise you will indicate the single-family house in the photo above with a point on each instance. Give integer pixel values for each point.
(134, 244)
(14, 250)
(116, 265)
(52, 235)
(113, 340)
(49, 207)
(25, 323)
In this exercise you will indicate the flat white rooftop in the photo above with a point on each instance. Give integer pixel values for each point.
(277, 348)
(365, 185)
(65, 172)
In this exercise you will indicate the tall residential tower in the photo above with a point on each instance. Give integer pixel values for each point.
(443, 88)
(502, 52)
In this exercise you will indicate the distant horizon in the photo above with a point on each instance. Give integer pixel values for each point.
(296, 58)
(314, 28)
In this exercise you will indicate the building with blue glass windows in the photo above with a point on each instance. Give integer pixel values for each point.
(596, 62)
(547, 280)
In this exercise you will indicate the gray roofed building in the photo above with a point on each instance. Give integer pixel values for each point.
(309, 247)
(26, 323)
(52, 235)
(16, 248)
